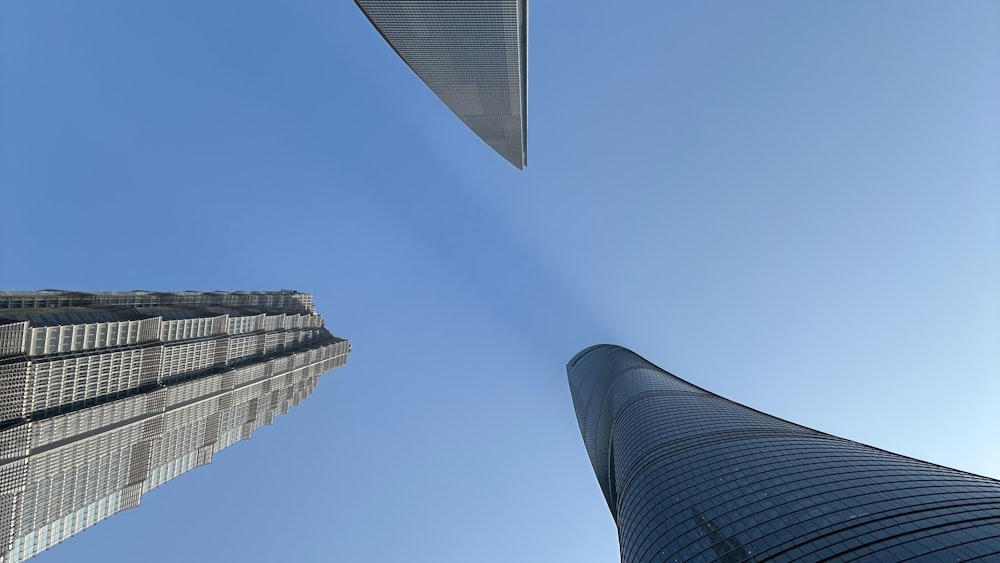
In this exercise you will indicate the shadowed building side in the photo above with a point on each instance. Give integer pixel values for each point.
(472, 54)
(689, 475)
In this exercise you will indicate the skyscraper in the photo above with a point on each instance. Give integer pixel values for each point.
(473, 54)
(691, 476)
(104, 396)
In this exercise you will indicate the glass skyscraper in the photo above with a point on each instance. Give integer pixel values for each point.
(104, 396)
(473, 54)
(691, 476)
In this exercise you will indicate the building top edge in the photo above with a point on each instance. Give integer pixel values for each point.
(284, 300)
(579, 355)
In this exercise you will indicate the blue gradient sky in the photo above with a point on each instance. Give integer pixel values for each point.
(793, 204)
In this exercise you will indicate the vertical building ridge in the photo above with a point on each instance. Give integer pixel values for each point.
(105, 396)
(689, 475)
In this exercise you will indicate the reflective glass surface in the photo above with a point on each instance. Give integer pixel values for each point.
(691, 476)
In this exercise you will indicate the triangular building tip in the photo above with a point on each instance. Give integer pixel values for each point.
(472, 54)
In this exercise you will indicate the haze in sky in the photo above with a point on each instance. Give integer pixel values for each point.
(794, 205)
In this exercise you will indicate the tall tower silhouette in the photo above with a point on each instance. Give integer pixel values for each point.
(691, 476)
(104, 396)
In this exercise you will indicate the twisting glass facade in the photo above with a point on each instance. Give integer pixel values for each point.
(104, 396)
(691, 476)
(472, 54)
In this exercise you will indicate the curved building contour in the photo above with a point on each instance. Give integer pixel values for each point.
(105, 396)
(691, 476)
(473, 54)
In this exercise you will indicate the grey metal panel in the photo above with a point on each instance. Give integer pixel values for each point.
(472, 54)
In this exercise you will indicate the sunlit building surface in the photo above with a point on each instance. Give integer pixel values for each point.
(691, 476)
(104, 396)
(472, 54)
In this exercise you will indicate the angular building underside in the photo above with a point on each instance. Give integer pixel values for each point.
(104, 396)
(691, 476)
(472, 54)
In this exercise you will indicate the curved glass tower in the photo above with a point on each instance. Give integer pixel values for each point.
(691, 476)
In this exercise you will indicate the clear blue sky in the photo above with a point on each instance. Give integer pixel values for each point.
(793, 204)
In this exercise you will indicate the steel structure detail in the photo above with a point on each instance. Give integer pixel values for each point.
(104, 396)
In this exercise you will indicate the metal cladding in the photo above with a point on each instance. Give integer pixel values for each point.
(472, 54)
(104, 396)
(691, 476)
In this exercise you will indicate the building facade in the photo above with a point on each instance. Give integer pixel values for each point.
(104, 396)
(473, 54)
(691, 476)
